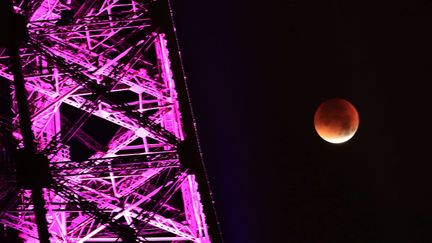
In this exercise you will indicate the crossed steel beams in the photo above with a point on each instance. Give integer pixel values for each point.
(92, 63)
(77, 192)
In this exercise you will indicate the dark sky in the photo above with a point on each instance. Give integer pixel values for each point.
(258, 70)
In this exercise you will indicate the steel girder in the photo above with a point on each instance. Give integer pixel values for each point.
(104, 62)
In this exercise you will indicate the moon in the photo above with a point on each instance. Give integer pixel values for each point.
(336, 120)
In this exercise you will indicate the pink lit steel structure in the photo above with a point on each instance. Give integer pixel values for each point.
(105, 111)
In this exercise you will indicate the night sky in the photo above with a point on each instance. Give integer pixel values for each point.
(258, 70)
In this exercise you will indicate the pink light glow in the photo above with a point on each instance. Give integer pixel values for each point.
(125, 174)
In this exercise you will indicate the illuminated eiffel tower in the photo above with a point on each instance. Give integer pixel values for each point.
(109, 112)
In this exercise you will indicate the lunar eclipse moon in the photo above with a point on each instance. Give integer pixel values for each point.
(336, 120)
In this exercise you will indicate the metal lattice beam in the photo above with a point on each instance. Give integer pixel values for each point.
(105, 111)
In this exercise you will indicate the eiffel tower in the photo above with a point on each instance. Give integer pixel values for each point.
(97, 135)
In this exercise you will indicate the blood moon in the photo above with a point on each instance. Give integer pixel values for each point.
(336, 120)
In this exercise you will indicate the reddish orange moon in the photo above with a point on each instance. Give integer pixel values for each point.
(336, 120)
